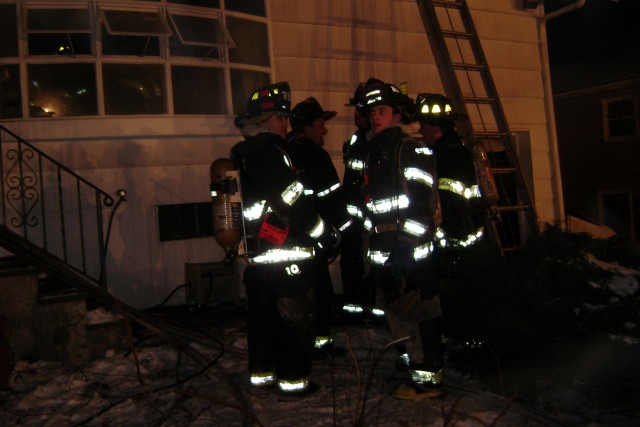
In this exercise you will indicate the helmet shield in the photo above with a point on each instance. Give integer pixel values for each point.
(273, 98)
(380, 93)
(434, 108)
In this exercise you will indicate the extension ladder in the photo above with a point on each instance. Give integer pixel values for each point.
(468, 83)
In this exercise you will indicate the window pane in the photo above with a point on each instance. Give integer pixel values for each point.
(252, 45)
(243, 83)
(134, 89)
(10, 99)
(58, 20)
(622, 127)
(8, 31)
(623, 108)
(201, 3)
(252, 7)
(64, 44)
(198, 90)
(130, 45)
(62, 90)
(198, 30)
(122, 22)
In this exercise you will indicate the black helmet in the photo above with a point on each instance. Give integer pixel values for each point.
(273, 98)
(307, 111)
(434, 108)
(358, 97)
(380, 93)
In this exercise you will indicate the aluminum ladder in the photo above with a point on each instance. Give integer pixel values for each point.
(468, 83)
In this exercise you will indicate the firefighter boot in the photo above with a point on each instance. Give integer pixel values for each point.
(426, 378)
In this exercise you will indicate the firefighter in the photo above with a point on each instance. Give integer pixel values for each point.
(460, 197)
(358, 297)
(283, 235)
(400, 203)
(317, 173)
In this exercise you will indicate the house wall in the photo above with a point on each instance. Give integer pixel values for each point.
(323, 49)
(591, 166)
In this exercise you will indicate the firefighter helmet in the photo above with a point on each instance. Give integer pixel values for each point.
(308, 111)
(380, 93)
(435, 108)
(273, 98)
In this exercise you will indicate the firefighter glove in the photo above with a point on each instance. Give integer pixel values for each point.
(401, 261)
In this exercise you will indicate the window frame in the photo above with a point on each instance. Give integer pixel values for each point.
(606, 120)
(168, 59)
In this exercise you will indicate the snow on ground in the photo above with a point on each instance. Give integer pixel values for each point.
(171, 388)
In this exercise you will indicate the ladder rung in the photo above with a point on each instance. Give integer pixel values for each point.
(478, 100)
(503, 171)
(515, 208)
(457, 35)
(491, 135)
(463, 66)
(449, 4)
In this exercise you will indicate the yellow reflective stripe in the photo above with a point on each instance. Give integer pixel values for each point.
(322, 341)
(356, 165)
(423, 251)
(345, 225)
(354, 211)
(296, 253)
(262, 378)
(292, 193)
(414, 227)
(353, 308)
(317, 229)
(378, 257)
(426, 377)
(293, 385)
(329, 190)
(424, 150)
(458, 188)
(472, 238)
(388, 204)
(415, 174)
(254, 211)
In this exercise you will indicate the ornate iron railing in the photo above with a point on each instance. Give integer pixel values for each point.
(53, 209)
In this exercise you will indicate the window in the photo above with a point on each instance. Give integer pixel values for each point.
(251, 40)
(242, 83)
(8, 31)
(185, 221)
(620, 118)
(57, 90)
(10, 94)
(130, 57)
(198, 90)
(58, 31)
(134, 89)
(621, 212)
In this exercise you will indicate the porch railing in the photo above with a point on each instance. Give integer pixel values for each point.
(46, 206)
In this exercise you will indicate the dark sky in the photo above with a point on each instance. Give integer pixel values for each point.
(600, 41)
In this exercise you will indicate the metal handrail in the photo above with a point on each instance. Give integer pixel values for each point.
(53, 208)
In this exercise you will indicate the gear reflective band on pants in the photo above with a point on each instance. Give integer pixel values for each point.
(271, 256)
(293, 386)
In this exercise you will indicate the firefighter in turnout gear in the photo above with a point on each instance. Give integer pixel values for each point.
(283, 234)
(460, 196)
(401, 200)
(317, 173)
(358, 297)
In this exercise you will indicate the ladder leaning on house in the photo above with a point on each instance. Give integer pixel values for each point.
(467, 81)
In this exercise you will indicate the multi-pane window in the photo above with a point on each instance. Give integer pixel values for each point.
(620, 118)
(153, 57)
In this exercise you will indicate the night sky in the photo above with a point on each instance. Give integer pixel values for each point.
(599, 42)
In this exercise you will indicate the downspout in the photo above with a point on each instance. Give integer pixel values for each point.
(550, 111)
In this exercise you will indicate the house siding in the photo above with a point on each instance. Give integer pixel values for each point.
(323, 49)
